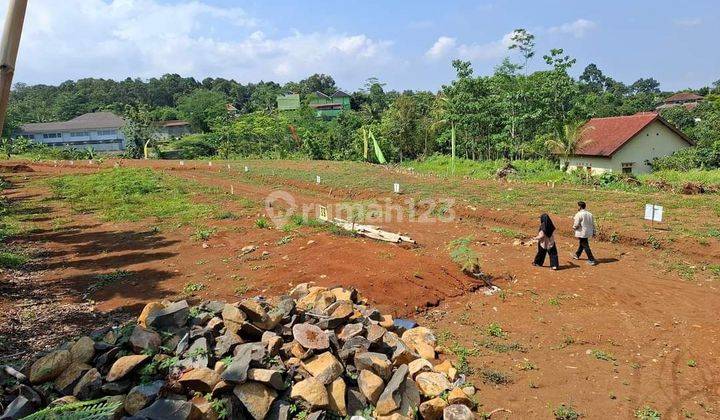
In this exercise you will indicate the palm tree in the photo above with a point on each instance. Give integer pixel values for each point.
(566, 142)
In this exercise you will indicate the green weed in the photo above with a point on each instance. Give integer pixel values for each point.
(601, 355)
(647, 413)
(508, 233)
(495, 377)
(495, 330)
(203, 233)
(262, 223)
(464, 256)
(566, 412)
(193, 287)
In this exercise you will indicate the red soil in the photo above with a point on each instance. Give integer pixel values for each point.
(651, 321)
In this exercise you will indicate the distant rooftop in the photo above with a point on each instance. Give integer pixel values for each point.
(683, 97)
(89, 121)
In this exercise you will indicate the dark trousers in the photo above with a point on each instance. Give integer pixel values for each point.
(540, 256)
(584, 246)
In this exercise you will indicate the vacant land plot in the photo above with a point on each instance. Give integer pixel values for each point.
(87, 243)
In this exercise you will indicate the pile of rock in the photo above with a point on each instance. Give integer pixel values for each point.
(315, 353)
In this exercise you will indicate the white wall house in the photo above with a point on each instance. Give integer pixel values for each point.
(626, 144)
(101, 130)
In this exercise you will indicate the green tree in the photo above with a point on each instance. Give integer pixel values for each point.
(139, 131)
(201, 108)
(567, 141)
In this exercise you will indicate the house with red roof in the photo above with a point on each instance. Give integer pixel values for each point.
(626, 144)
(689, 100)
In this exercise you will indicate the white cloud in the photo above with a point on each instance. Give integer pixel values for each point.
(448, 47)
(441, 48)
(689, 22)
(577, 28)
(145, 38)
(488, 51)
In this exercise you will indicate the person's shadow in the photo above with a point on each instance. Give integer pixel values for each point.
(571, 264)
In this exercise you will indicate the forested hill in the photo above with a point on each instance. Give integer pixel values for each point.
(510, 113)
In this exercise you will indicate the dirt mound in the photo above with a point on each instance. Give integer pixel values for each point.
(15, 168)
(692, 188)
(505, 171)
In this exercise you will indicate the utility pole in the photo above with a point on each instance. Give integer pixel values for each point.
(8, 52)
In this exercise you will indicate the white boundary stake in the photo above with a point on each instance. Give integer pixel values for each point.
(317, 179)
(247, 169)
(232, 190)
(396, 188)
(653, 213)
(228, 167)
(72, 162)
(182, 163)
(322, 213)
(209, 163)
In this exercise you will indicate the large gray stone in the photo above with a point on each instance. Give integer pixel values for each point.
(166, 409)
(391, 396)
(142, 396)
(173, 315)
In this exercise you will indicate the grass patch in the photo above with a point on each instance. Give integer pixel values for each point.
(647, 413)
(227, 215)
(495, 377)
(508, 233)
(107, 279)
(601, 355)
(498, 347)
(684, 270)
(193, 287)
(463, 353)
(714, 269)
(130, 194)
(262, 223)
(495, 330)
(10, 259)
(203, 233)
(566, 412)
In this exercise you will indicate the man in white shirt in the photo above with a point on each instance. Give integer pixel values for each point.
(584, 226)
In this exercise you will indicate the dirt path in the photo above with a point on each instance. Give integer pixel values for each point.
(652, 323)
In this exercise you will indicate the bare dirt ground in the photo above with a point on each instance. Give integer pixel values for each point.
(608, 339)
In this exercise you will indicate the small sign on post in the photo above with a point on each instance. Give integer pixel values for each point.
(396, 188)
(247, 169)
(653, 213)
(317, 179)
(322, 213)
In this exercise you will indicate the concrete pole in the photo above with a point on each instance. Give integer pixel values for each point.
(8, 52)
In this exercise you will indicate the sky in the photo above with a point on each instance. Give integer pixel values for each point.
(408, 44)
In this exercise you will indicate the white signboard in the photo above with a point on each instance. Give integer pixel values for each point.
(396, 188)
(317, 179)
(653, 212)
(247, 169)
(322, 213)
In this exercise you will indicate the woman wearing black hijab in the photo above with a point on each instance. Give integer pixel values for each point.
(546, 243)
